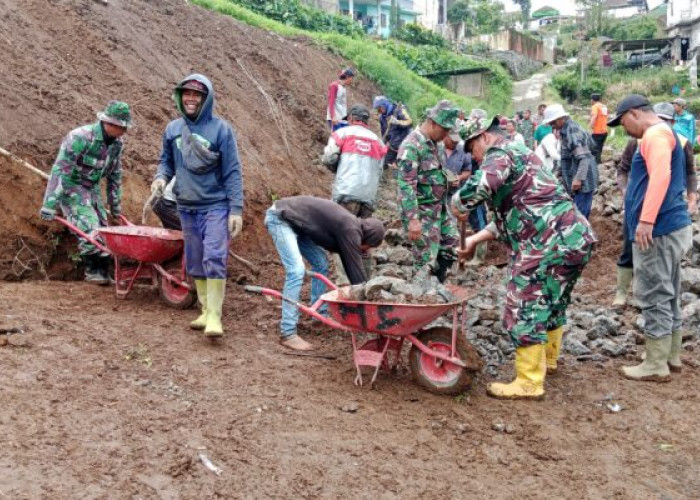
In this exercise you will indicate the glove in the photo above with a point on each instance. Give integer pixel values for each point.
(235, 224)
(158, 186)
(393, 120)
(47, 213)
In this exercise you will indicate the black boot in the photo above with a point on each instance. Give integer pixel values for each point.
(443, 265)
(94, 270)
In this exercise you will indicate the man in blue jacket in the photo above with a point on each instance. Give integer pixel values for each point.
(200, 149)
(395, 124)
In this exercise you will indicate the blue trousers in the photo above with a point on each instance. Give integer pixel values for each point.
(477, 217)
(293, 248)
(583, 202)
(206, 242)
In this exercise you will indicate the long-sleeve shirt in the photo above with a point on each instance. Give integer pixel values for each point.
(685, 126)
(623, 168)
(577, 161)
(548, 151)
(328, 225)
(84, 158)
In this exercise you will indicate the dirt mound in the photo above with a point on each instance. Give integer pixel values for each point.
(64, 60)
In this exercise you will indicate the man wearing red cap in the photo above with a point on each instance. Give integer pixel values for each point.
(200, 150)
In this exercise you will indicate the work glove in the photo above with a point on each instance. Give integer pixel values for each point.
(235, 224)
(158, 186)
(47, 213)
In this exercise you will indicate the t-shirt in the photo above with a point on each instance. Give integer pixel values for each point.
(542, 132)
(600, 111)
(459, 161)
(656, 148)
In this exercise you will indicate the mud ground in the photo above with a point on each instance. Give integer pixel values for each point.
(115, 399)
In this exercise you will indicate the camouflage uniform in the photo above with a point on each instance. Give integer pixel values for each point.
(423, 187)
(550, 241)
(74, 186)
(527, 130)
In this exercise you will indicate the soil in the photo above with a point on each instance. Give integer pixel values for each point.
(103, 398)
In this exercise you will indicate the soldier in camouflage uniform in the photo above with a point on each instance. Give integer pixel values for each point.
(423, 186)
(526, 127)
(550, 243)
(87, 155)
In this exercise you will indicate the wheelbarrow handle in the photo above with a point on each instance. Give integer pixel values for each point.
(83, 234)
(324, 279)
(254, 289)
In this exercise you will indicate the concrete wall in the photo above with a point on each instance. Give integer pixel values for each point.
(469, 85)
(517, 42)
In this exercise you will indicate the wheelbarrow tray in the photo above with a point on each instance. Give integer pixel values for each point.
(387, 318)
(143, 243)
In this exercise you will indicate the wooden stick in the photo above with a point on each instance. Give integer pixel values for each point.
(462, 230)
(245, 262)
(26, 165)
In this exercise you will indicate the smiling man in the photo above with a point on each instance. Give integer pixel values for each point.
(200, 150)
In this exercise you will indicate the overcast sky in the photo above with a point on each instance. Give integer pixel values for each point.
(563, 6)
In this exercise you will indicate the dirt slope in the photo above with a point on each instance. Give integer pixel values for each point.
(64, 59)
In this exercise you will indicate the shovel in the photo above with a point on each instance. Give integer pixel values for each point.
(462, 230)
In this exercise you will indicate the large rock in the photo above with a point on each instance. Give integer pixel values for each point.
(375, 286)
(573, 346)
(399, 255)
(690, 280)
(613, 349)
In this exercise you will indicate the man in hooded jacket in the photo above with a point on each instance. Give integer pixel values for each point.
(199, 148)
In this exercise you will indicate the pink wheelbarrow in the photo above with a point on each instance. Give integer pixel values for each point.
(440, 359)
(158, 254)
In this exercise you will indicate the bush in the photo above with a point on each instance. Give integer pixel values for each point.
(417, 35)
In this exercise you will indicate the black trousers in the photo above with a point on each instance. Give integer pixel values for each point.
(599, 140)
(166, 211)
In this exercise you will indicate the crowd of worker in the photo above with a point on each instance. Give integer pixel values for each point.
(534, 177)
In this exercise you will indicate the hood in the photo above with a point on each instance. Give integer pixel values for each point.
(207, 110)
(372, 231)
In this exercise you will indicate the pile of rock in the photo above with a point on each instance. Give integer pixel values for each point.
(399, 291)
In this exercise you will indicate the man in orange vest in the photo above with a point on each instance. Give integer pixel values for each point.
(599, 125)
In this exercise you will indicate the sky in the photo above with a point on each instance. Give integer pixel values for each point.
(566, 7)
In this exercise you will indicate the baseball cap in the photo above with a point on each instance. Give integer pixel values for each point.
(444, 113)
(632, 101)
(360, 112)
(681, 102)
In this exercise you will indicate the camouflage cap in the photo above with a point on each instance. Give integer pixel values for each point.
(116, 113)
(474, 127)
(444, 114)
(477, 113)
(458, 132)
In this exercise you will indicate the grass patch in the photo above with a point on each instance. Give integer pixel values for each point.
(391, 75)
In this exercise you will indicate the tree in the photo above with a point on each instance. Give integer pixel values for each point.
(525, 7)
(594, 15)
(478, 16)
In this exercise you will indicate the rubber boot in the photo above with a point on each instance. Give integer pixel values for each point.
(443, 265)
(215, 301)
(479, 255)
(553, 347)
(93, 271)
(654, 368)
(201, 322)
(624, 279)
(530, 369)
(674, 359)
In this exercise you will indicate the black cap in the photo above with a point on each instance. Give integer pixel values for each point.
(360, 112)
(632, 101)
(595, 97)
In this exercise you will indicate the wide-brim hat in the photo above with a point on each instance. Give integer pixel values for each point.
(445, 114)
(474, 127)
(664, 110)
(117, 113)
(553, 112)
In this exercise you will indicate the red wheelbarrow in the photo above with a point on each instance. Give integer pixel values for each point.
(440, 359)
(159, 256)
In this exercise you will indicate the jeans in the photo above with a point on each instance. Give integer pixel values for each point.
(583, 202)
(477, 217)
(292, 249)
(206, 242)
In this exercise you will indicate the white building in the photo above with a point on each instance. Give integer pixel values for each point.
(620, 9)
(683, 26)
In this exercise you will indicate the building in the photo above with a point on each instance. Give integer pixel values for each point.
(548, 15)
(374, 15)
(621, 9)
(683, 28)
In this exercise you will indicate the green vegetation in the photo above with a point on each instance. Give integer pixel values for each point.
(634, 28)
(417, 35)
(479, 16)
(370, 58)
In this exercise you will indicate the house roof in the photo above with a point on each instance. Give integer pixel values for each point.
(656, 43)
(622, 4)
(545, 11)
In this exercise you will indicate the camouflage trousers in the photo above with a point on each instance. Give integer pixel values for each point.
(84, 209)
(439, 236)
(536, 300)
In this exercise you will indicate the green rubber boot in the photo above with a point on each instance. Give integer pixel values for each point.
(201, 322)
(215, 302)
(624, 279)
(674, 359)
(654, 368)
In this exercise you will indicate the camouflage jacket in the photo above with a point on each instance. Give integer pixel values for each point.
(532, 212)
(577, 161)
(83, 160)
(527, 129)
(422, 178)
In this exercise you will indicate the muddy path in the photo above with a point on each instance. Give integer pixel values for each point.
(115, 399)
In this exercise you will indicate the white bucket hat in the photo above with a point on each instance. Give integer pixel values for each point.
(553, 112)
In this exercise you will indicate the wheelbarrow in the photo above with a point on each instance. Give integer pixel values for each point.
(440, 359)
(159, 256)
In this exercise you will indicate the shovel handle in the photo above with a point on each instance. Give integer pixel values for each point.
(462, 230)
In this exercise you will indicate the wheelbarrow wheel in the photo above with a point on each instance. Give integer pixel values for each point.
(174, 295)
(443, 377)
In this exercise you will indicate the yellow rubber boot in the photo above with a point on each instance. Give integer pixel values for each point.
(553, 347)
(201, 322)
(530, 369)
(215, 302)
